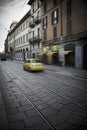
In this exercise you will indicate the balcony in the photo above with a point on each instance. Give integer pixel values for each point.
(41, 0)
(37, 19)
(32, 24)
(37, 38)
(31, 40)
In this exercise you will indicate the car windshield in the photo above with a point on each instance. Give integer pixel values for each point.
(35, 61)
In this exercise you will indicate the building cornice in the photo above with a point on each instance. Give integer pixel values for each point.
(30, 2)
(20, 22)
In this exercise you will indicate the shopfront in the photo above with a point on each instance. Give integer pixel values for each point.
(51, 54)
(69, 55)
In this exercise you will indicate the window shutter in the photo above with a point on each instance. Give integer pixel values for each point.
(52, 17)
(57, 15)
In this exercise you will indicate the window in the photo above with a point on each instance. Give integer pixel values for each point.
(69, 30)
(69, 14)
(45, 35)
(23, 25)
(26, 37)
(33, 34)
(21, 40)
(38, 31)
(54, 2)
(33, 8)
(45, 23)
(33, 45)
(45, 7)
(69, 5)
(38, 45)
(55, 17)
(54, 32)
(39, 3)
(38, 14)
(27, 23)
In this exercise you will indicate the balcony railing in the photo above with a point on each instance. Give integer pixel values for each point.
(35, 39)
(31, 40)
(32, 24)
(38, 37)
(37, 19)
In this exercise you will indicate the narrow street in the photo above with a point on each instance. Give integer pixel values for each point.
(49, 100)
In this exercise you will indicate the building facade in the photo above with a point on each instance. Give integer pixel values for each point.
(18, 39)
(64, 32)
(36, 28)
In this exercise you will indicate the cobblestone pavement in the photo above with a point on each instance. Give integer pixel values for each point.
(53, 100)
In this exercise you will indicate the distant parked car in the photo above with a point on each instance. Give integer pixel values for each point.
(3, 56)
(33, 65)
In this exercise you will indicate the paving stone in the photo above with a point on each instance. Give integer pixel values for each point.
(71, 107)
(33, 122)
(42, 126)
(23, 103)
(11, 111)
(48, 111)
(75, 120)
(57, 106)
(80, 112)
(17, 117)
(66, 126)
(31, 113)
(12, 105)
(24, 108)
(57, 119)
(19, 125)
(42, 106)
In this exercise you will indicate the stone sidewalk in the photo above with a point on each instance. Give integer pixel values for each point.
(17, 113)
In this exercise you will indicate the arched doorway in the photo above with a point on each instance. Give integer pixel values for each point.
(55, 58)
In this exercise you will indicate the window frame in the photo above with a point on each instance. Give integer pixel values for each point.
(55, 17)
(45, 22)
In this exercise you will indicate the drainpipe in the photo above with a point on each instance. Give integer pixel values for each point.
(61, 21)
(14, 45)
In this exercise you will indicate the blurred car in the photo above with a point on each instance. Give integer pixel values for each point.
(33, 65)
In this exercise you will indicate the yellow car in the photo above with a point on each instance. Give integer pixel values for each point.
(33, 65)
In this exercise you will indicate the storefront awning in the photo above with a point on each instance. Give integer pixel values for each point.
(51, 53)
(65, 52)
(42, 53)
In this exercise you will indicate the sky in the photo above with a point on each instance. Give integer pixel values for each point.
(10, 10)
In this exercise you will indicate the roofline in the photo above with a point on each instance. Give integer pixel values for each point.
(30, 2)
(21, 21)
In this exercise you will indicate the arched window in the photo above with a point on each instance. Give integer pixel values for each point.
(26, 49)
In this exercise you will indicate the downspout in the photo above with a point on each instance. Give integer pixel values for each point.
(61, 21)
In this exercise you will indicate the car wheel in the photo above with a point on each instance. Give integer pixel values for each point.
(29, 69)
